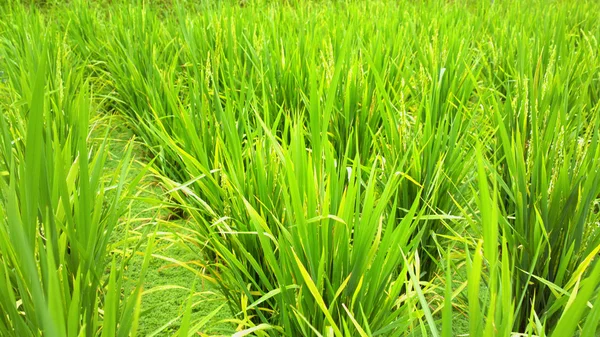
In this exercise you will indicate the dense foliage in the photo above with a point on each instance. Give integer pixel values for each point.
(366, 168)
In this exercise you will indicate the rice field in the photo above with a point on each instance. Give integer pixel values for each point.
(299, 168)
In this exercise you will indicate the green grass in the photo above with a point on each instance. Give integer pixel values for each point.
(166, 305)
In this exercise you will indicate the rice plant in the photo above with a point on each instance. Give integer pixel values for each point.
(58, 209)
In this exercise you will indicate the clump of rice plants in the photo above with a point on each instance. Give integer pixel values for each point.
(57, 213)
